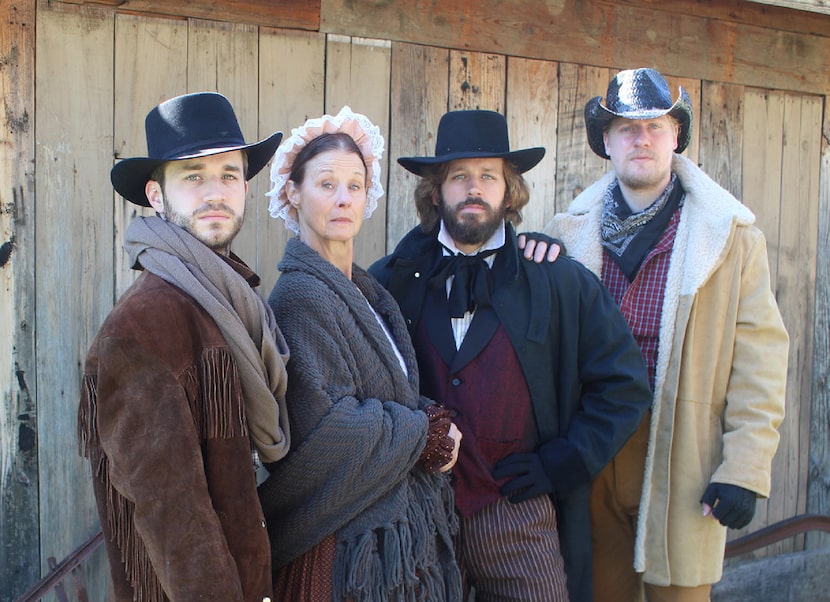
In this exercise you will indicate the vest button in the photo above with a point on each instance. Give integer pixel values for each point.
(456, 382)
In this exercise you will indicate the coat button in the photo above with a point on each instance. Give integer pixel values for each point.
(417, 274)
(456, 382)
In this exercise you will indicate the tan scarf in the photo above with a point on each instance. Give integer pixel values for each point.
(243, 317)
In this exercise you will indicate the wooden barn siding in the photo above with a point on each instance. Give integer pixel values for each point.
(818, 484)
(715, 41)
(718, 41)
(19, 537)
(74, 276)
(111, 67)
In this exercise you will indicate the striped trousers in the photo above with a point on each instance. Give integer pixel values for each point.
(510, 552)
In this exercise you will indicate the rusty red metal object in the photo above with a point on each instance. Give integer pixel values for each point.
(778, 531)
(70, 565)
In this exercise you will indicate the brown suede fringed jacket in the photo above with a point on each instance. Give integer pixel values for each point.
(162, 420)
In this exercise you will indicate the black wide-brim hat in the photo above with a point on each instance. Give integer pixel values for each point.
(637, 94)
(184, 127)
(472, 135)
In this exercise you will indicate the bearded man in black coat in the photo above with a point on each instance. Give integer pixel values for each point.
(534, 360)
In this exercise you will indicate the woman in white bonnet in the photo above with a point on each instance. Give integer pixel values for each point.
(361, 508)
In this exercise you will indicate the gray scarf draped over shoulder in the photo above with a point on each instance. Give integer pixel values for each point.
(241, 314)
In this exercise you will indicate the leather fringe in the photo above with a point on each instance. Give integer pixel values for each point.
(214, 392)
(221, 396)
(87, 434)
(119, 510)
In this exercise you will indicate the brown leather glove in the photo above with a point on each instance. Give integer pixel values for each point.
(439, 447)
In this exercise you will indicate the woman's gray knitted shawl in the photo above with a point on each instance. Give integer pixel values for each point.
(357, 435)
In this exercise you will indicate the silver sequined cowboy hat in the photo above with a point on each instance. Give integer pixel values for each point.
(184, 127)
(637, 94)
(472, 135)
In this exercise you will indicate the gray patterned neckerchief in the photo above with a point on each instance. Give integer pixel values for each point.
(628, 237)
(619, 225)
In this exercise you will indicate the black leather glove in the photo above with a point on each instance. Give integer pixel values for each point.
(530, 478)
(732, 505)
(555, 468)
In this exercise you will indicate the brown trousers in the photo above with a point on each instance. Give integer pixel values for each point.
(615, 501)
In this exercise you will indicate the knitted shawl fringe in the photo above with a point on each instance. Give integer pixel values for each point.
(211, 384)
(409, 570)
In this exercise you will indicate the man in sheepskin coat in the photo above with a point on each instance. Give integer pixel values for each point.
(689, 270)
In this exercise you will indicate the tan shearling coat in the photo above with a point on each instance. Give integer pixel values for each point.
(721, 372)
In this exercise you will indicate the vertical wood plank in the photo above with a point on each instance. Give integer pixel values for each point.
(693, 88)
(818, 485)
(810, 146)
(19, 480)
(150, 67)
(74, 237)
(786, 497)
(532, 103)
(801, 181)
(419, 93)
(477, 81)
(763, 138)
(762, 188)
(795, 294)
(223, 57)
(577, 166)
(358, 75)
(291, 88)
(721, 119)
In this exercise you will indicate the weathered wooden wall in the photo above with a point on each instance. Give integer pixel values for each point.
(19, 537)
(758, 78)
(818, 480)
(74, 275)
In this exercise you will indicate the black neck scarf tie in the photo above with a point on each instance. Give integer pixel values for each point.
(471, 284)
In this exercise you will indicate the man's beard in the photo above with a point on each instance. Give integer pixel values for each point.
(215, 238)
(470, 230)
(642, 181)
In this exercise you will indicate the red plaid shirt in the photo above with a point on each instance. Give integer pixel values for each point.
(641, 301)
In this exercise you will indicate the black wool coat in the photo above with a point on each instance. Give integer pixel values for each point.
(586, 375)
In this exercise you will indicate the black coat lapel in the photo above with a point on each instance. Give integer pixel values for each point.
(436, 319)
(483, 327)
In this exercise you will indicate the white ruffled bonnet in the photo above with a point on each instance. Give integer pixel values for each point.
(365, 134)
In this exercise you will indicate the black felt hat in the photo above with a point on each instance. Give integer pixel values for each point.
(472, 135)
(184, 127)
(637, 94)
